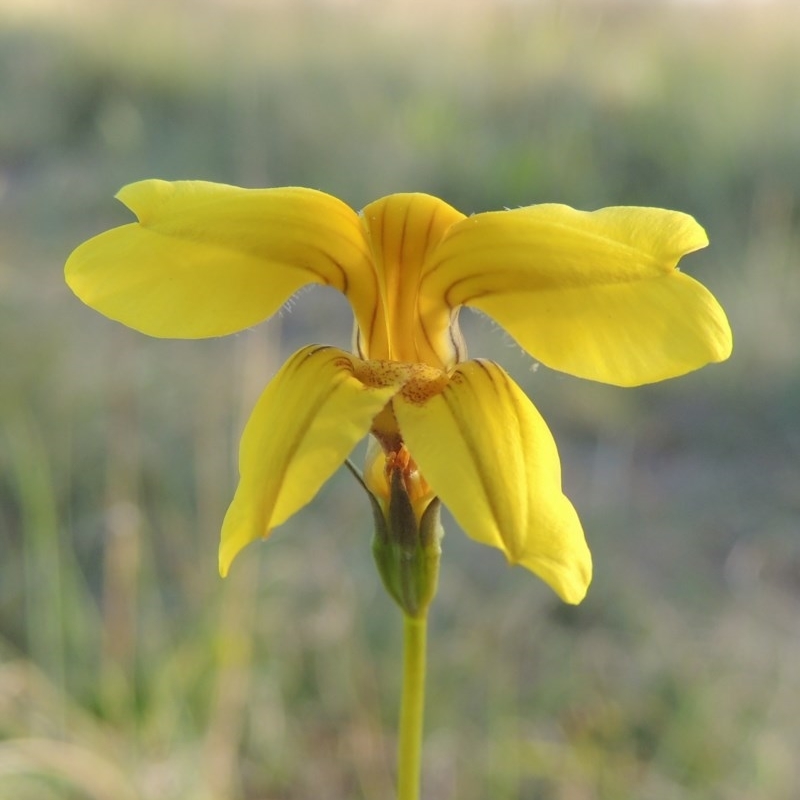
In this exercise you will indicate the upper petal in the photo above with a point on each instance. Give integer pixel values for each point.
(595, 294)
(207, 259)
(304, 425)
(487, 453)
(402, 231)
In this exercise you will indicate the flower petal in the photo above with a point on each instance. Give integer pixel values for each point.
(595, 294)
(207, 259)
(487, 453)
(402, 230)
(304, 425)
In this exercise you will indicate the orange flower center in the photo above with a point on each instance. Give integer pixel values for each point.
(419, 383)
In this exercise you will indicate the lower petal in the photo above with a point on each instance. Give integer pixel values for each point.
(488, 454)
(304, 425)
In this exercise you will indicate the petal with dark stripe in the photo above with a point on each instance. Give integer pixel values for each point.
(487, 453)
(403, 230)
(304, 425)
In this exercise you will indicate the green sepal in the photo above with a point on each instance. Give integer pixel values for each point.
(406, 553)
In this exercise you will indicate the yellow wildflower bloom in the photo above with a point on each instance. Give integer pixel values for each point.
(594, 294)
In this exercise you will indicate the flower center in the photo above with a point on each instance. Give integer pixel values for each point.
(419, 383)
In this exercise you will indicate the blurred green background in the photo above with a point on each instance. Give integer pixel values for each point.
(130, 671)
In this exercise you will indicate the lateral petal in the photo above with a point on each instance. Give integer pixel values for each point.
(488, 454)
(208, 259)
(304, 425)
(595, 294)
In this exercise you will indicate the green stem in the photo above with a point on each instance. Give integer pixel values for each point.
(409, 755)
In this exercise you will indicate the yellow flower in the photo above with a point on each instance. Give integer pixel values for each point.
(597, 295)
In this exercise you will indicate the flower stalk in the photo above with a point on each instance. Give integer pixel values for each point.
(409, 750)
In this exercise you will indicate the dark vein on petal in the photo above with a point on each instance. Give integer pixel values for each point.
(402, 243)
(304, 425)
(503, 387)
(470, 445)
(420, 278)
(429, 230)
(426, 336)
(520, 437)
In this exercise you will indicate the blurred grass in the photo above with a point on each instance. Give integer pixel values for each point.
(128, 669)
